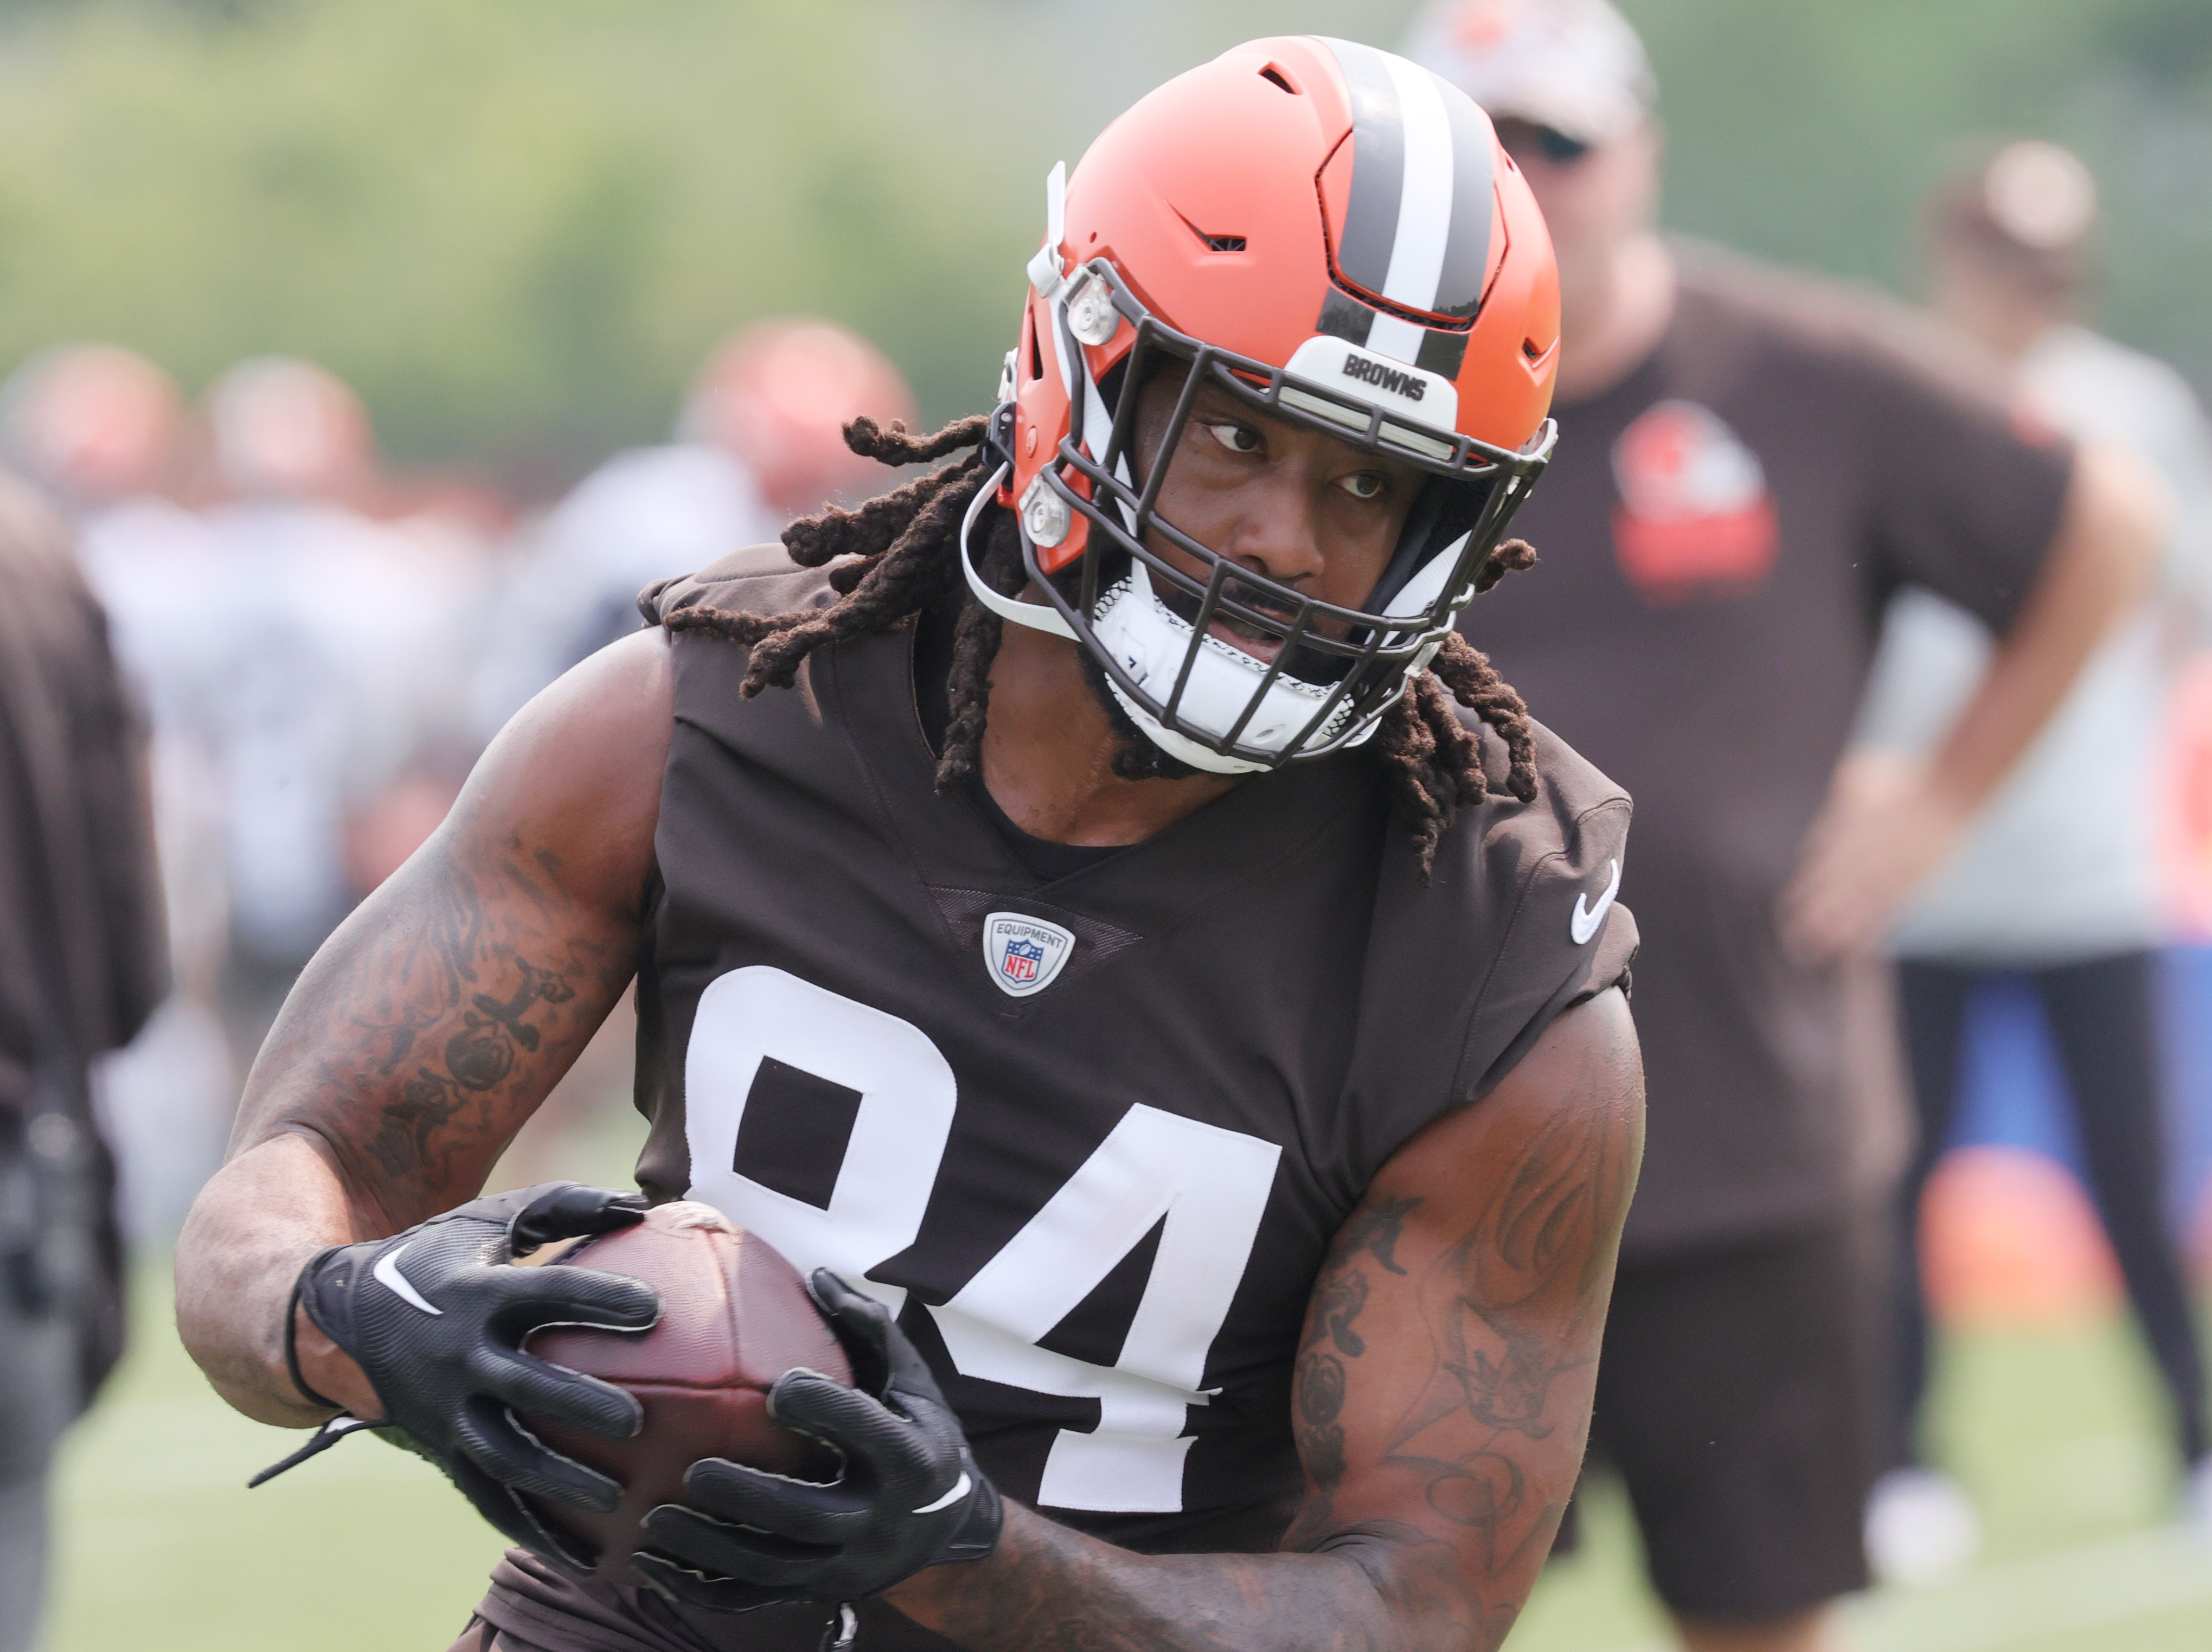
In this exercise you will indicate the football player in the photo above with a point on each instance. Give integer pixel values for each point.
(1075, 924)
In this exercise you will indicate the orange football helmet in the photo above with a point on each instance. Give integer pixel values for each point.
(1332, 234)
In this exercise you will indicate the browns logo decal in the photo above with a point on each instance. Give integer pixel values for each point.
(1695, 518)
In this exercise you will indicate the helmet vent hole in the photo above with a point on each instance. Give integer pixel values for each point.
(1274, 72)
(1215, 243)
(1532, 349)
(1036, 356)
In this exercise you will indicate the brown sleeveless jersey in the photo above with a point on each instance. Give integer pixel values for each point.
(1089, 1137)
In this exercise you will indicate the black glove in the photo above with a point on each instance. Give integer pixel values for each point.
(910, 1494)
(436, 1320)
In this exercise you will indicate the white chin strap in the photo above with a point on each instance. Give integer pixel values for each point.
(1035, 615)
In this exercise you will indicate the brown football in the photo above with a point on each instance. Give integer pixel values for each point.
(734, 1317)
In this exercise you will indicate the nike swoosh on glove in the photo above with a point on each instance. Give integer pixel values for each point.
(910, 1495)
(436, 1319)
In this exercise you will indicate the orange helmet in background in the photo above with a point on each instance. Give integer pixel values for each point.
(1332, 234)
(778, 394)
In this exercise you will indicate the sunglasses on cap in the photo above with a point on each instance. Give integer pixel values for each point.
(1525, 139)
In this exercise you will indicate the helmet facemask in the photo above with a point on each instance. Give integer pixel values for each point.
(1149, 621)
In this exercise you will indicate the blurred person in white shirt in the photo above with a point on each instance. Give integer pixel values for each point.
(2058, 876)
(343, 659)
(100, 429)
(760, 441)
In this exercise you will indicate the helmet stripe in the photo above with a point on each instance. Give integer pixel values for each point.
(1417, 225)
(1343, 316)
(1424, 210)
(1442, 353)
(1370, 217)
(1460, 284)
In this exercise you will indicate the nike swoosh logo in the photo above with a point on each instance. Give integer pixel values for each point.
(960, 1491)
(1583, 924)
(388, 1274)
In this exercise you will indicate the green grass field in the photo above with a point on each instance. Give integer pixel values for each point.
(2056, 1436)
(366, 1550)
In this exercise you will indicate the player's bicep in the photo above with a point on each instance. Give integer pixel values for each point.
(1444, 1384)
(436, 1019)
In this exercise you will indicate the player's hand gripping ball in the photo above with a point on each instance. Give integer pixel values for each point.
(436, 1318)
(908, 1495)
(734, 1318)
(564, 1354)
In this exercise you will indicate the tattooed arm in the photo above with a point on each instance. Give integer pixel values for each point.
(1442, 1401)
(433, 1022)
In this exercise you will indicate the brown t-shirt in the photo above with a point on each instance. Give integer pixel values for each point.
(1718, 536)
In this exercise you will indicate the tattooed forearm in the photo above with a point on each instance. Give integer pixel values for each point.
(476, 1059)
(1387, 1588)
(1337, 1303)
(1320, 1400)
(1319, 1383)
(418, 1045)
(1513, 1310)
(433, 1022)
(1374, 1227)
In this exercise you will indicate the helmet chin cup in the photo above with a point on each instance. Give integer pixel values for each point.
(1181, 746)
(1224, 693)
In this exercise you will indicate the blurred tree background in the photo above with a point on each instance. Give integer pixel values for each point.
(517, 225)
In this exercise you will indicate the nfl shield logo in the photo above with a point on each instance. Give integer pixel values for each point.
(1023, 955)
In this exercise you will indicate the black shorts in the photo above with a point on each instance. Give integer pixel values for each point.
(1736, 1396)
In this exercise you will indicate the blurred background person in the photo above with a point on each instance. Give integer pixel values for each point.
(2058, 876)
(96, 425)
(81, 966)
(102, 430)
(341, 671)
(760, 441)
(1748, 464)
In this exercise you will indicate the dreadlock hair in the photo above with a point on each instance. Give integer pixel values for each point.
(905, 559)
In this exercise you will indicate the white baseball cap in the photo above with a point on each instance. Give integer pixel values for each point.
(2041, 196)
(1577, 66)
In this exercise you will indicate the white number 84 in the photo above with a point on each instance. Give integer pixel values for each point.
(1204, 1187)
